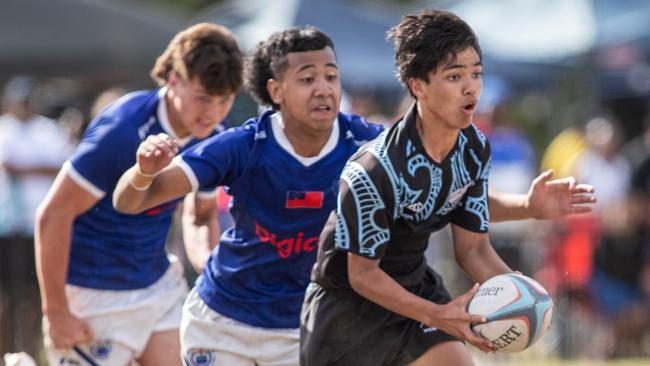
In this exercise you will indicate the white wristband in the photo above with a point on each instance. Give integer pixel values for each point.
(143, 188)
(137, 170)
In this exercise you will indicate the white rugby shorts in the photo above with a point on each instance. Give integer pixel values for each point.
(209, 339)
(122, 320)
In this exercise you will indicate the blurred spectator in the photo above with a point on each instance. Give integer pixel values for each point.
(562, 152)
(32, 149)
(364, 103)
(620, 283)
(638, 148)
(513, 168)
(594, 157)
(602, 164)
(105, 98)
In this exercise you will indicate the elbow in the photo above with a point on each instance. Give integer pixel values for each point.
(48, 219)
(357, 282)
(122, 205)
(42, 217)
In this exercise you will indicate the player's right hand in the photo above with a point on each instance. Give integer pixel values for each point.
(453, 319)
(156, 152)
(66, 330)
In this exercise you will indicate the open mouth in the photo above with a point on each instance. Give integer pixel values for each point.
(323, 108)
(470, 107)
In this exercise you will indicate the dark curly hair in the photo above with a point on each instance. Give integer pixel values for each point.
(425, 40)
(268, 60)
(206, 51)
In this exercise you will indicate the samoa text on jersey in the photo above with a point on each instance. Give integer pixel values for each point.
(111, 250)
(393, 195)
(260, 269)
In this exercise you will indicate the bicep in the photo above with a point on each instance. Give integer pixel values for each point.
(169, 184)
(67, 198)
(466, 240)
(200, 208)
(358, 266)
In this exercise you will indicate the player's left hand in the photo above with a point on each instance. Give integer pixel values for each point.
(552, 199)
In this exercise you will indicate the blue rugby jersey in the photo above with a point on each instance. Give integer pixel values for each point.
(259, 271)
(111, 250)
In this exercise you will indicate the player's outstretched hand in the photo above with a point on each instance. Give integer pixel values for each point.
(66, 330)
(557, 198)
(156, 152)
(454, 319)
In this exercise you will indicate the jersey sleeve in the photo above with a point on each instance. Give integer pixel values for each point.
(363, 213)
(217, 161)
(473, 213)
(103, 154)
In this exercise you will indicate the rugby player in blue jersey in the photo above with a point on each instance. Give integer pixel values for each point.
(282, 169)
(110, 295)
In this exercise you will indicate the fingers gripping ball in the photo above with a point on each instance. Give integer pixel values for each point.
(518, 311)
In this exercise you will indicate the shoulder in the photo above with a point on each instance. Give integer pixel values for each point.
(359, 128)
(240, 138)
(473, 141)
(123, 117)
(475, 137)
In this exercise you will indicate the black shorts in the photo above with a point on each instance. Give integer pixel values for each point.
(339, 327)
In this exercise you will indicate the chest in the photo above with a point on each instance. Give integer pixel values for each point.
(427, 192)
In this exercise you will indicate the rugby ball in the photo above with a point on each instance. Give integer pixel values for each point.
(518, 311)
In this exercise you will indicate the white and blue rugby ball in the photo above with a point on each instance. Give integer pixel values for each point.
(518, 311)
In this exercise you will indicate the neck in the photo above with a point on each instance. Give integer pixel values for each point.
(173, 116)
(437, 138)
(306, 142)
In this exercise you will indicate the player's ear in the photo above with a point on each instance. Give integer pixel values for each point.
(416, 87)
(275, 91)
(172, 78)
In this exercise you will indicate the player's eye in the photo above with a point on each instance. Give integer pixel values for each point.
(332, 77)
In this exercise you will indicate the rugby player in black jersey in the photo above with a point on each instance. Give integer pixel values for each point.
(373, 300)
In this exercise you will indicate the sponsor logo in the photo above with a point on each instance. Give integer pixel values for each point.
(68, 361)
(415, 207)
(143, 130)
(286, 246)
(426, 329)
(489, 291)
(201, 357)
(456, 195)
(454, 198)
(101, 349)
(506, 338)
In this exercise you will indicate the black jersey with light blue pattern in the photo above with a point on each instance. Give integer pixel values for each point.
(393, 196)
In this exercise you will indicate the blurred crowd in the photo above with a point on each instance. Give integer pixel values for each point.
(596, 266)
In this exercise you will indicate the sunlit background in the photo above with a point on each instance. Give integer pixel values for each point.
(566, 86)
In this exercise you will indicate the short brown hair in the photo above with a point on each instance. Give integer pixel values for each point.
(206, 51)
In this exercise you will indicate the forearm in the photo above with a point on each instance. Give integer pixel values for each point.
(128, 199)
(378, 287)
(481, 262)
(52, 240)
(508, 206)
(200, 238)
